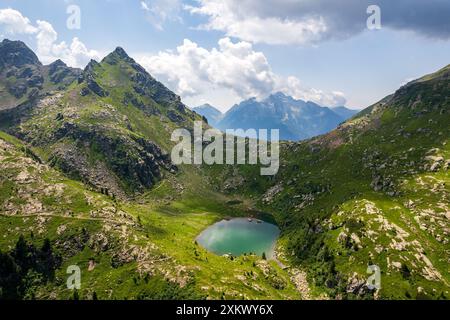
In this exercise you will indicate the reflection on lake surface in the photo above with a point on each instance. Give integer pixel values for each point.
(240, 235)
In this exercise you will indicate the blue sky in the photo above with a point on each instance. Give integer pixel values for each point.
(231, 50)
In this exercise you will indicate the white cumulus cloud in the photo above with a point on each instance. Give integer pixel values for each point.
(293, 87)
(75, 54)
(193, 71)
(158, 12)
(48, 49)
(15, 23)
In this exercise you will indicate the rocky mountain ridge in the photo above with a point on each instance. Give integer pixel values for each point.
(295, 119)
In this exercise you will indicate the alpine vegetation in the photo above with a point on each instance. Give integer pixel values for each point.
(113, 188)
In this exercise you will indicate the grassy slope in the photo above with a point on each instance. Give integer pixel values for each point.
(327, 189)
(158, 234)
(162, 223)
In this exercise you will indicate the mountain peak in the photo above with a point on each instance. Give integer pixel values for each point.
(16, 53)
(212, 114)
(119, 54)
(295, 118)
(90, 66)
(281, 97)
(119, 51)
(58, 63)
(279, 94)
(206, 106)
(344, 112)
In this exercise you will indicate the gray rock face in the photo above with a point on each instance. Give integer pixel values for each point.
(173, 116)
(21, 73)
(24, 81)
(61, 74)
(357, 286)
(95, 88)
(88, 77)
(136, 162)
(16, 53)
(24, 77)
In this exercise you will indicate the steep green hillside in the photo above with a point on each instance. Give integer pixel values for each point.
(86, 173)
(374, 191)
(143, 249)
(109, 129)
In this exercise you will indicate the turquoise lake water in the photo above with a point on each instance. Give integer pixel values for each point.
(238, 236)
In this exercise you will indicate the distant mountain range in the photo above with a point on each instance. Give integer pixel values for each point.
(296, 119)
(210, 113)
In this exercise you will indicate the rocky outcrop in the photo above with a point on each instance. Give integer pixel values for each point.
(271, 193)
(59, 73)
(17, 54)
(20, 79)
(126, 164)
(174, 117)
(149, 110)
(88, 77)
(24, 77)
(357, 286)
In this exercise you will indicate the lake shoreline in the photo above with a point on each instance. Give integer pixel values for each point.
(240, 235)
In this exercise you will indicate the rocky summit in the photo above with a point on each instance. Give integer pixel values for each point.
(24, 78)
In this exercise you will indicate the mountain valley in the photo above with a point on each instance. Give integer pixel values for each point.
(86, 179)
